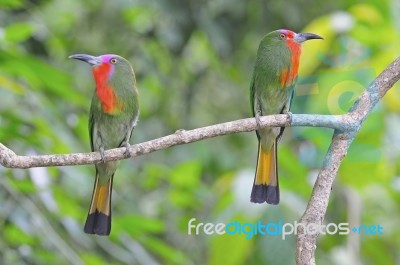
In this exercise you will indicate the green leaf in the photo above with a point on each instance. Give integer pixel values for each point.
(93, 258)
(16, 237)
(181, 198)
(229, 249)
(11, 4)
(170, 254)
(186, 175)
(8, 83)
(23, 185)
(18, 32)
(137, 225)
(154, 173)
(68, 207)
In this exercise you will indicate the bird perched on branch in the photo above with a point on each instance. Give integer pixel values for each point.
(271, 92)
(113, 115)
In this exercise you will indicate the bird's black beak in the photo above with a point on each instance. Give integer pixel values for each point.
(92, 60)
(302, 37)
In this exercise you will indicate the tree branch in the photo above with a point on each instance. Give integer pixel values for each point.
(316, 208)
(9, 159)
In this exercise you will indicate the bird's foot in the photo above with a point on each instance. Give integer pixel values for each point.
(103, 159)
(258, 120)
(290, 117)
(127, 152)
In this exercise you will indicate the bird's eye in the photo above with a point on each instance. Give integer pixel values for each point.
(113, 61)
(282, 36)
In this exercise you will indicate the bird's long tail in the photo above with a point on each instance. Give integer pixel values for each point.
(99, 217)
(266, 185)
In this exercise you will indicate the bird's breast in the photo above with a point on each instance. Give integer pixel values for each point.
(289, 74)
(110, 103)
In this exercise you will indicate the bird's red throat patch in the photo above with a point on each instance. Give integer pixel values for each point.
(105, 91)
(289, 75)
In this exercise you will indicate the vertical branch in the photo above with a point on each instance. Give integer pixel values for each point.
(316, 208)
(315, 212)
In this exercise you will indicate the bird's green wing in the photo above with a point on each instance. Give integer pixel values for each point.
(252, 96)
(252, 101)
(91, 126)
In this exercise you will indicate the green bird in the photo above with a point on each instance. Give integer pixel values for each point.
(113, 115)
(271, 92)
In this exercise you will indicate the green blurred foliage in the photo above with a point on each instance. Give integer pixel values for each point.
(193, 61)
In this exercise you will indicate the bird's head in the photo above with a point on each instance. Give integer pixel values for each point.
(105, 66)
(284, 38)
(280, 51)
(290, 36)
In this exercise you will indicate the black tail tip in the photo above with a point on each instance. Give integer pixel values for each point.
(265, 193)
(98, 224)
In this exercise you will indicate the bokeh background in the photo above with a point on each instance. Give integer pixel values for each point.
(193, 61)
